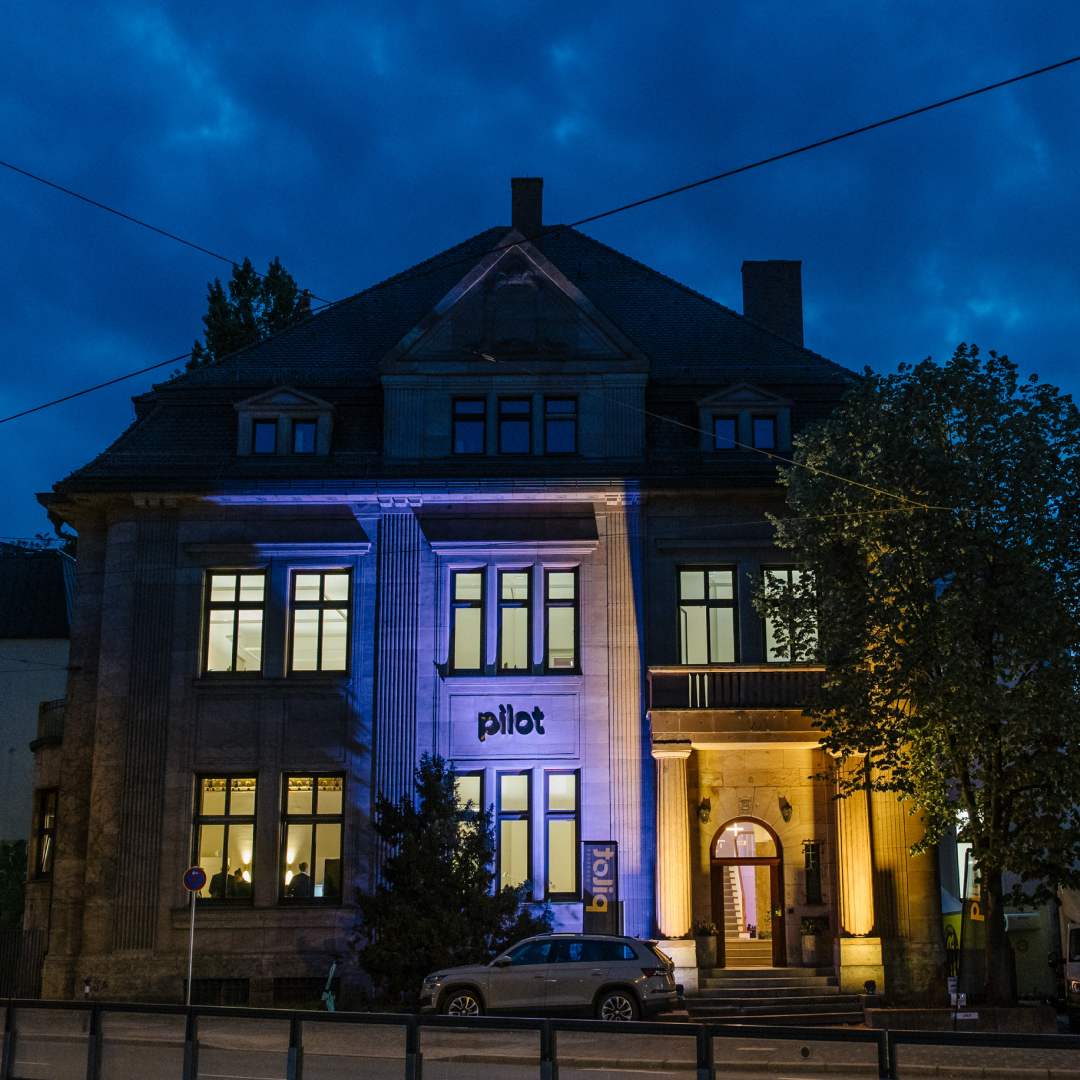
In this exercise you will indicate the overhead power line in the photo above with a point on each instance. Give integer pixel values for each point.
(136, 221)
(412, 275)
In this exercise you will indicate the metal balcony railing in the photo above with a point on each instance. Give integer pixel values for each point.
(747, 686)
(50, 723)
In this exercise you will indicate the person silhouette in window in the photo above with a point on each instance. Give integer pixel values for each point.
(217, 885)
(300, 886)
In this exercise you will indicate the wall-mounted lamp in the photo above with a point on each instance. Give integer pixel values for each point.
(785, 809)
(704, 811)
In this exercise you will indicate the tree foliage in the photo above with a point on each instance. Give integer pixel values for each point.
(435, 905)
(943, 591)
(12, 883)
(256, 305)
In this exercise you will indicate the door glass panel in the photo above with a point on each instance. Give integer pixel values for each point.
(532, 952)
(327, 859)
(305, 638)
(513, 852)
(562, 855)
(722, 635)
(695, 644)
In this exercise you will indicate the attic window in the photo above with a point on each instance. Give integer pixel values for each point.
(764, 432)
(264, 437)
(304, 437)
(725, 432)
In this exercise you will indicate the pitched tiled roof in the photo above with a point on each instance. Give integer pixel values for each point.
(186, 429)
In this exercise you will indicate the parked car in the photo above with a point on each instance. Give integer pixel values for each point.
(610, 978)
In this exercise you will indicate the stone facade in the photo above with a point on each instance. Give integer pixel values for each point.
(512, 594)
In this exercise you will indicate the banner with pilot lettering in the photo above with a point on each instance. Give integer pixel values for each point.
(600, 875)
(510, 724)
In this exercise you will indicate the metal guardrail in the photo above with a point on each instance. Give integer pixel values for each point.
(50, 724)
(775, 686)
(704, 1035)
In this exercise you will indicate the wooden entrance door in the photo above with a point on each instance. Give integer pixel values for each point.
(776, 904)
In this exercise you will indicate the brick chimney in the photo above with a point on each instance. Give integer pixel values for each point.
(772, 296)
(527, 206)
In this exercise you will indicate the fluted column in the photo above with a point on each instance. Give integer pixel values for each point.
(672, 839)
(856, 864)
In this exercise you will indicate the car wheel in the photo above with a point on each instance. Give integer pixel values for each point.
(461, 1003)
(616, 1005)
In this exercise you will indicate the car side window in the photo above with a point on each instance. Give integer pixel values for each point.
(570, 952)
(532, 952)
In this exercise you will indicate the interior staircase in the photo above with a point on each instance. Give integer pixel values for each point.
(796, 997)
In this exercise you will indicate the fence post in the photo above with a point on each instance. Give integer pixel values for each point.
(191, 1045)
(7, 1050)
(549, 1055)
(295, 1067)
(414, 1060)
(93, 1045)
(706, 1063)
(887, 1056)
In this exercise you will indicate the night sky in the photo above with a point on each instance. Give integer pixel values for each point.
(355, 139)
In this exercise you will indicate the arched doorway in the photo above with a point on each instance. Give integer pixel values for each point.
(748, 886)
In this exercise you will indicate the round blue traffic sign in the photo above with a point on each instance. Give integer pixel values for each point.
(194, 879)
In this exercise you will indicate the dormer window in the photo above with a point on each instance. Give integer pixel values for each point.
(304, 436)
(264, 437)
(725, 432)
(284, 421)
(764, 428)
(745, 418)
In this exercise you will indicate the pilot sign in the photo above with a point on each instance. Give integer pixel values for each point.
(600, 875)
(513, 725)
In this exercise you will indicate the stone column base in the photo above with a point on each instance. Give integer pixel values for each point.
(860, 959)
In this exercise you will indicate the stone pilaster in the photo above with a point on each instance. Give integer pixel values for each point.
(672, 839)
(856, 877)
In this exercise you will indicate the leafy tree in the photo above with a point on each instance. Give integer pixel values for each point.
(947, 611)
(435, 905)
(256, 305)
(12, 883)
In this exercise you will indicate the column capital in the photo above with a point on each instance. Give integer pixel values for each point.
(671, 749)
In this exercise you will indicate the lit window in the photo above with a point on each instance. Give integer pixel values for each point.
(225, 836)
(313, 820)
(515, 832)
(764, 428)
(234, 622)
(782, 578)
(264, 437)
(515, 621)
(469, 426)
(303, 437)
(561, 823)
(320, 621)
(46, 832)
(706, 615)
(560, 426)
(561, 620)
(725, 432)
(467, 621)
(515, 426)
(470, 791)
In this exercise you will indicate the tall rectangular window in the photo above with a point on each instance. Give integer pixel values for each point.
(515, 621)
(515, 426)
(470, 791)
(514, 828)
(46, 832)
(561, 810)
(467, 621)
(706, 615)
(234, 621)
(321, 604)
(225, 836)
(725, 432)
(812, 854)
(468, 421)
(764, 428)
(560, 426)
(264, 437)
(311, 837)
(561, 621)
(786, 577)
(304, 436)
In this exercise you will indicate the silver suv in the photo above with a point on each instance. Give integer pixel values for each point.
(611, 978)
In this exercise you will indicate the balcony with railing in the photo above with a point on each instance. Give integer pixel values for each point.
(50, 727)
(742, 686)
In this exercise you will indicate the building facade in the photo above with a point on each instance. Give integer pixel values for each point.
(508, 507)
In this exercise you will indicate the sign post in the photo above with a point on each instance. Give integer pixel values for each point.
(194, 880)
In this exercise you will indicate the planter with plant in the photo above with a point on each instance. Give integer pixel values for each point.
(814, 932)
(705, 944)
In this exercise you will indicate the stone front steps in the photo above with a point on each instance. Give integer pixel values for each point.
(798, 997)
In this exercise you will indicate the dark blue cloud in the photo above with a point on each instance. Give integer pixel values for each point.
(353, 140)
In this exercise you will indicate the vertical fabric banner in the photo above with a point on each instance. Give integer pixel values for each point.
(600, 887)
